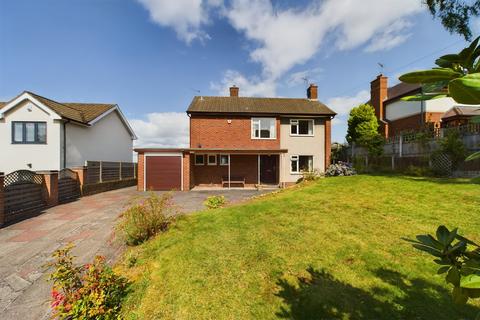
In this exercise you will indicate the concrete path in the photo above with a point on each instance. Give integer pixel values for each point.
(26, 246)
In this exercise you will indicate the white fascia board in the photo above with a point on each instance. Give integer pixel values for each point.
(124, 120)
(27, 96)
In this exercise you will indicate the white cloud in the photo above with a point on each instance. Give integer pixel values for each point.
(186, 17)
(343, 105)
(248, 86)
(288, 37)
(163, 130)
(391, 37)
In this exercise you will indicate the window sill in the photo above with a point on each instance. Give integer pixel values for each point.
(30, 143)
(264, 138)
(302, 135)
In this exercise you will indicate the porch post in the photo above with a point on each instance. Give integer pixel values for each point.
(229, 171)
(258, 170)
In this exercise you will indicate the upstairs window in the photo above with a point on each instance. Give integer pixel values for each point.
(264, 128)
(299, 164)
(29, 132)
(301, 127)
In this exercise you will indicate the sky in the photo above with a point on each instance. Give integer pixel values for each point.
(152, 56)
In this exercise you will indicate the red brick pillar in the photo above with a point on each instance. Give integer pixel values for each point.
(140, 172)
(328, 142)
(51, 187)
(186, 171)
(81, 174)
(2, 200)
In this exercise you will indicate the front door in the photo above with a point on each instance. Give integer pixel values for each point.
(268, 169)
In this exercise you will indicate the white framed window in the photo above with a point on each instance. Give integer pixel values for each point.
(224, 159)
(199, 159)
(212, 159)
(302, 127)
(299, 164)
(264, 128)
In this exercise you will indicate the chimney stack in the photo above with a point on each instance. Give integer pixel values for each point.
(312, 92)
(378, 94)
(234, 91)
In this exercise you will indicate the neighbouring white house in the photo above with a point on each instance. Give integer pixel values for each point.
(37, 133)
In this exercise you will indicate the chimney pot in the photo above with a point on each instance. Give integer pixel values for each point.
(312, 92)
(234, 91)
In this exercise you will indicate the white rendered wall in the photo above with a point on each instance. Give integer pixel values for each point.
(402, 109)
(18, 156)
(107, 140)
(302, 146)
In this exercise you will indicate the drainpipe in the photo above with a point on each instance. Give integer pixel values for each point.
(65, 144)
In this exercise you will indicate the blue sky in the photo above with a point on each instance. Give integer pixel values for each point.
(152, 56)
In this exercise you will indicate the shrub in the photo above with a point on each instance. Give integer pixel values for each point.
(416, 171)
(144, 220)
(91, 291)
(215, 202)
(340, 169)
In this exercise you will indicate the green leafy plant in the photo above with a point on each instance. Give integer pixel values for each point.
(453, 146)
(458, 258)
(91, 291)
(312, 175)
(215, 202)
(144, 220)
(363, 129)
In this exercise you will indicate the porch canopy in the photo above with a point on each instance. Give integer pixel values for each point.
(232, 152)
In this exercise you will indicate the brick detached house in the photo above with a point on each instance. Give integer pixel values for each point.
(397, 116)
(243, 142)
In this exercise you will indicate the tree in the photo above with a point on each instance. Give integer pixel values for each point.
(363, 129)
(455, 15)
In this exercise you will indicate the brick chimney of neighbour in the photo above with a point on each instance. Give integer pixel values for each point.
(312, 92)
(378, 94)
(234, 91)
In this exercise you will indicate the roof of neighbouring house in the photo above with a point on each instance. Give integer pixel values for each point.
(82, 113)
(467, 111)
(79, 112)
(249, 105)
(401, 90)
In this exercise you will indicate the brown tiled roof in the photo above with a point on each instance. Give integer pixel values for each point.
(402, 89)
(79, 112)
(468, 111)
(248, 105)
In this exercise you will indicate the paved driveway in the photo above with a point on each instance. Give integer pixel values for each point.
(26, 246)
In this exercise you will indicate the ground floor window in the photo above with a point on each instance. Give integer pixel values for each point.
(224, 160)
(212, 159)
(199, 159)
(299, 164)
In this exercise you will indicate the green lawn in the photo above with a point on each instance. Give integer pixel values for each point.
(330, 249)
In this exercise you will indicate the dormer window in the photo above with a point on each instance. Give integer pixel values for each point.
(264, 128)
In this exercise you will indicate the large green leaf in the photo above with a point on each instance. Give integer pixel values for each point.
(466, 90)
(443, 234)
(471, 281)
(428, 76)
(459, 296)
(448, 60)
(453, 276)
(424, 97)
(473, 156)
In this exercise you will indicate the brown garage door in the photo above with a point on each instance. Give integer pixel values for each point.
(163, 173)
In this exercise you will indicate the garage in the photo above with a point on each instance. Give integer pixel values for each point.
(163, 172)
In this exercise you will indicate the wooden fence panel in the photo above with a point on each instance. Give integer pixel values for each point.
(68, 186)
(23, 194)
(93, 172)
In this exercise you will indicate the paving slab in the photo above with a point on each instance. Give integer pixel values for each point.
(26, 247)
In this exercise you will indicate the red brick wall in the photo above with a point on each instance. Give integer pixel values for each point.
(241, 165)
(186, 172)
(414, 122)
(141, 166)
(216, 132)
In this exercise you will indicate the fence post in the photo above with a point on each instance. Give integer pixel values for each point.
(120, 171)
(51, 187)
(100, 174)
(400, 146)
(2, 199)
(135, 168)
(81, 174)
(393, 163)
(366, 161)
